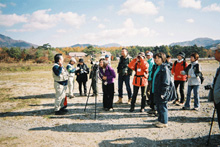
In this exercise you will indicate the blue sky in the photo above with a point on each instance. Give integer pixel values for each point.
(127, 22)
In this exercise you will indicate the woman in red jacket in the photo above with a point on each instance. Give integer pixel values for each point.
(140, 66)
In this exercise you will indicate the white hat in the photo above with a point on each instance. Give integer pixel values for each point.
(215, 48)
(150, 54)
(73, 59)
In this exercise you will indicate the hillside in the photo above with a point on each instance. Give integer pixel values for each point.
(106, 45)
(6, 41)
(205, 42)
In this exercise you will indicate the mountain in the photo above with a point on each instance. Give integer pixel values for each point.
(205, 42)
(106, 45)
(6, 41)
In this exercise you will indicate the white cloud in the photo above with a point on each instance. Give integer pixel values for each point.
(101, 26)
(159, 19)
(61, 31)
(2, 5)
(190, 20)
(13, 4)
(128, 30)
(196, 4)
(171, 34)
(212, 7)
(41, 20)
(94, 18)
(138, 7)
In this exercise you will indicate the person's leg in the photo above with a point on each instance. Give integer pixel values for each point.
(80, 87)
(143, 97)
(128, 87)
(111, 95)
(149, 86)
(182, 85)
(120, 86)
(70, 86)
(163, 113)
(188, 99)
(133, 101)
(105, 95)
(159, 112)
(176, 84)
(152, 101)
(196, 96)
(217, 107)
(85, 88)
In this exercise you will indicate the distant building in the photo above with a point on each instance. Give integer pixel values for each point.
(77, 54)
(103, 53)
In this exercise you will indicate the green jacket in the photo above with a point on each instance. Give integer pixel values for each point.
(150, 69)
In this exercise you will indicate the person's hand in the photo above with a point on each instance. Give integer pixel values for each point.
(189, 76)
(77, 68)
(78, 74)
(60, 64)
(104, 78)
(173, 73)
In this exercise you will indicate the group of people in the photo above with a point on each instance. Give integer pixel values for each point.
(153, 76)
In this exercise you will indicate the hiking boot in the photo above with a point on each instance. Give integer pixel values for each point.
(175, 101)
(196, 109)
(129, 101)
(141, 110)
(119, 100)
(161, 125)
(111, 110)
(186, 108)
(131, 110)
(71, 96)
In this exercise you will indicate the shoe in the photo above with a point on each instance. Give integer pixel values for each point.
(111, 110)
(64, 110)
(60, 112)
(186, 108)
(141, 110)
(85, 94)
(71, 96)
(129, 101)
(197, 109)
(131, 110)
(157, 122)
(80, 94)
(119, 100)
(161, 125)
(175, 101)
(106, 109)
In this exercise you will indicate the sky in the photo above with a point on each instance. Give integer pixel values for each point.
(64, 23)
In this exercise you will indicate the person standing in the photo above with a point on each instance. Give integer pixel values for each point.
(124, 73)
(161, 89)
(169, 63)
(108, 60)
(60, 77)
(71, 70)
(150, 61)
(179, 79)
(82, 77)
(140, 66)
(216, 83)
(193, 72)
(93, 75)
(107, 74)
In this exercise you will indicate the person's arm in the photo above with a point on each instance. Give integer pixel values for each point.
(165, 82)
(112, 73)
(131, 65)
(217, 90)
(144, 66)
(57, 70)
(70, 69)
(173, 70)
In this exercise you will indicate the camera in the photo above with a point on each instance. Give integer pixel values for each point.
(208, 87)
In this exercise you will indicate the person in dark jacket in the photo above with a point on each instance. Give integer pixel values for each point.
(107, 74)
(169, 63)
(82, 77)
(124, 73)
(161, 89)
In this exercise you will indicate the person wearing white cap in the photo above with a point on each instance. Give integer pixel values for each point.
(216, 83)
(71, 70)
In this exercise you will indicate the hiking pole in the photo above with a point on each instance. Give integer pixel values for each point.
(88, 97)
(95, 104)
(210, 131)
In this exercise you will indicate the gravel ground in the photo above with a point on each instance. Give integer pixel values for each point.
(36, 124)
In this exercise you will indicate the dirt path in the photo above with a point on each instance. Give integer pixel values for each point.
(34, 124)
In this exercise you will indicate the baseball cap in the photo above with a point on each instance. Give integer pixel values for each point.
(150, 54)
(106, 56)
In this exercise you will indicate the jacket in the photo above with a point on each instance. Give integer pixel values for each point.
(71, 70)
(83, 71)
(109, 73)
(123, 68)
(164, 89)
(216, 88)
(151, 64)
(193, 70)
(60, 75)
(176, 69)
(141, 71)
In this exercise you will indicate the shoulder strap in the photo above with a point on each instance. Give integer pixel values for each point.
(135, 67)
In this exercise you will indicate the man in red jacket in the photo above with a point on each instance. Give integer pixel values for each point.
(179, 79)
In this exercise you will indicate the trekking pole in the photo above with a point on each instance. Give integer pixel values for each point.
(95, 104)
(210, 131)
(88, 97)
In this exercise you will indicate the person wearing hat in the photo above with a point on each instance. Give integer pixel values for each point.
(71, 70)
(60, 76)
(140, 66)
(216, 83)
(179, 79)
(108, 60)
(151, 63)
(82, 77)
(124, 73)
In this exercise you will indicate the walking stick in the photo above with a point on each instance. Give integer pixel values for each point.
(210, 131)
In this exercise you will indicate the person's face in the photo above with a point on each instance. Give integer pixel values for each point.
(158, 60)
(179, 57)
(217, 55)
(106, 59)
(149, 57)
(61, 60)
(101, 63)
(124, 53)
(192, 59)
(169, 59)
(81, 63)
(72, 62)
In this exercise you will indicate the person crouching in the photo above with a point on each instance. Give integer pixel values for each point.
(140, 66)
(60, 76)
(160, 89)
(107, 74)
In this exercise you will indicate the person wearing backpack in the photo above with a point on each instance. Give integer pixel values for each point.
(179, 79)
(140, 66)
